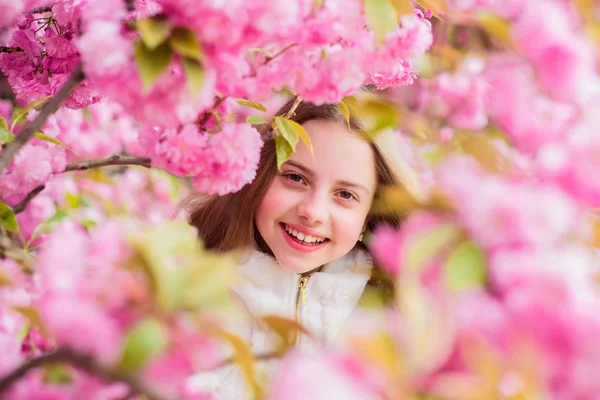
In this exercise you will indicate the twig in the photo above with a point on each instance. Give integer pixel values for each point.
(258, 357)
(41, 10)
(6, 49)
(112, 160)
(23, 204)
(290, 113)
(85, 165)
(27, 133)
(85, 363)
(207, 114)
(280, 52)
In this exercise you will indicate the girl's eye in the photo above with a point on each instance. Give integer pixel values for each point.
(296, 178)
(346, 195)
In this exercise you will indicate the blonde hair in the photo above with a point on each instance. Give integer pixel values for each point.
(226, 223)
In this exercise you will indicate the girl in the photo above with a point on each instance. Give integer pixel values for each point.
(302, 229)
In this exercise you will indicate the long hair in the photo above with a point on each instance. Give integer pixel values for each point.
(226, 223)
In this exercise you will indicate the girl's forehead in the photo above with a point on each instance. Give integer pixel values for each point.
(338, 154)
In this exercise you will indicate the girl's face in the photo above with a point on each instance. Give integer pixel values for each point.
(316, 207)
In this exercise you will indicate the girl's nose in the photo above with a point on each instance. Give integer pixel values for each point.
(313, 210)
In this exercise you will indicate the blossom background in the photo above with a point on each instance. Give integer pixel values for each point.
(112, 112)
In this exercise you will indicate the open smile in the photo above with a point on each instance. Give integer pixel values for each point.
(301, 241)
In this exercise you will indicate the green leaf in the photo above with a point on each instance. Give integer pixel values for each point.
(194, 74)
(147, 339)
(381, 17)
(52, 140)
(287, 330)
(251, 104)
(423, 248)
(496, 27)
(151, 63)
(6, 136)
(3, 124)
(255, 119)
(8, 220)
(345, 111)
(57, 374)
(283, 149)
(34, 318)
(19, 114)
(403, 7)
(185, 43)
(465, 267)
(437, 7)
(287, 131)
(89, 224)
(153, 31)
(301, 132)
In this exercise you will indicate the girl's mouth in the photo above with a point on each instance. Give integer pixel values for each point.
(300, 241)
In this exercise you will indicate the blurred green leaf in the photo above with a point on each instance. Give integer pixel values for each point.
(375, 113)
(185, 43)
(34, 318)
(403, 7)
(57, 374)
(153, 31)
(283, 149)
(251, 104)
(345, 111)
(496, 27)
(6, 136)
(485, 152)
(194, 75)
(465, 267)
(424, 247)
(3, 124)
(151, 63)
(8, 220)
(287, 330)
(255, 120)
(437, 7)
(20, 113)
(381, 17)
(4, 279)
(147, 339)
(52, 140)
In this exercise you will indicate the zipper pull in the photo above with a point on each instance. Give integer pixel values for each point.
(302, 287)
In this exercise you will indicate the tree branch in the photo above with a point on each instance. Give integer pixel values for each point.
(130, 4)
(27, 133)
(85, 165)
(23, 204)
(290, 113)
(5, 49)
(112, 160)
(41, 10)
(280, 52)
(85, 363)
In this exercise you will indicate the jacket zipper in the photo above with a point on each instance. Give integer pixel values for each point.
(300, 301)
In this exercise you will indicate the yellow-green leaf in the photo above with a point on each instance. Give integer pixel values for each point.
(496, 27)
(34, 318)
(19, 114)
(5, 279)
(287, 131)
(251, 104)
(301, 132)
(403, 7)
(8, 220)
(146, 340)
(153, 31)
(465, 267)
(255, 119)
(6, 136)
(381, 17)
(283, 149)
(287, 329)
(52, 140)
(423, 248)
(194, 74)
(437, 7)
(185, 43)
(3, 124)
(243, 356)
(57, 374)
(484, 151)
(345, 111)
(151, 63)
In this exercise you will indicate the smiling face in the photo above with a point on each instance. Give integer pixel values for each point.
(316, 207)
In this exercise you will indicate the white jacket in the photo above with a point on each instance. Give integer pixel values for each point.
(331, 295)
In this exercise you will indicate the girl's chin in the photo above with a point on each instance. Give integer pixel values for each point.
(297, 266)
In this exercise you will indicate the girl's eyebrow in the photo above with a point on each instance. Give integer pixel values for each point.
(308, 171)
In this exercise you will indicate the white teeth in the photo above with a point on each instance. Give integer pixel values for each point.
(302, 236)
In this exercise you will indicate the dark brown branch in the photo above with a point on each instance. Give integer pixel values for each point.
(130, 4)
(5, 49)
(290, 113)
(112, 160)
(27, 133)
(85, 165)
(207, 114)
(41, 10)
(82, 362)
(23, 204)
